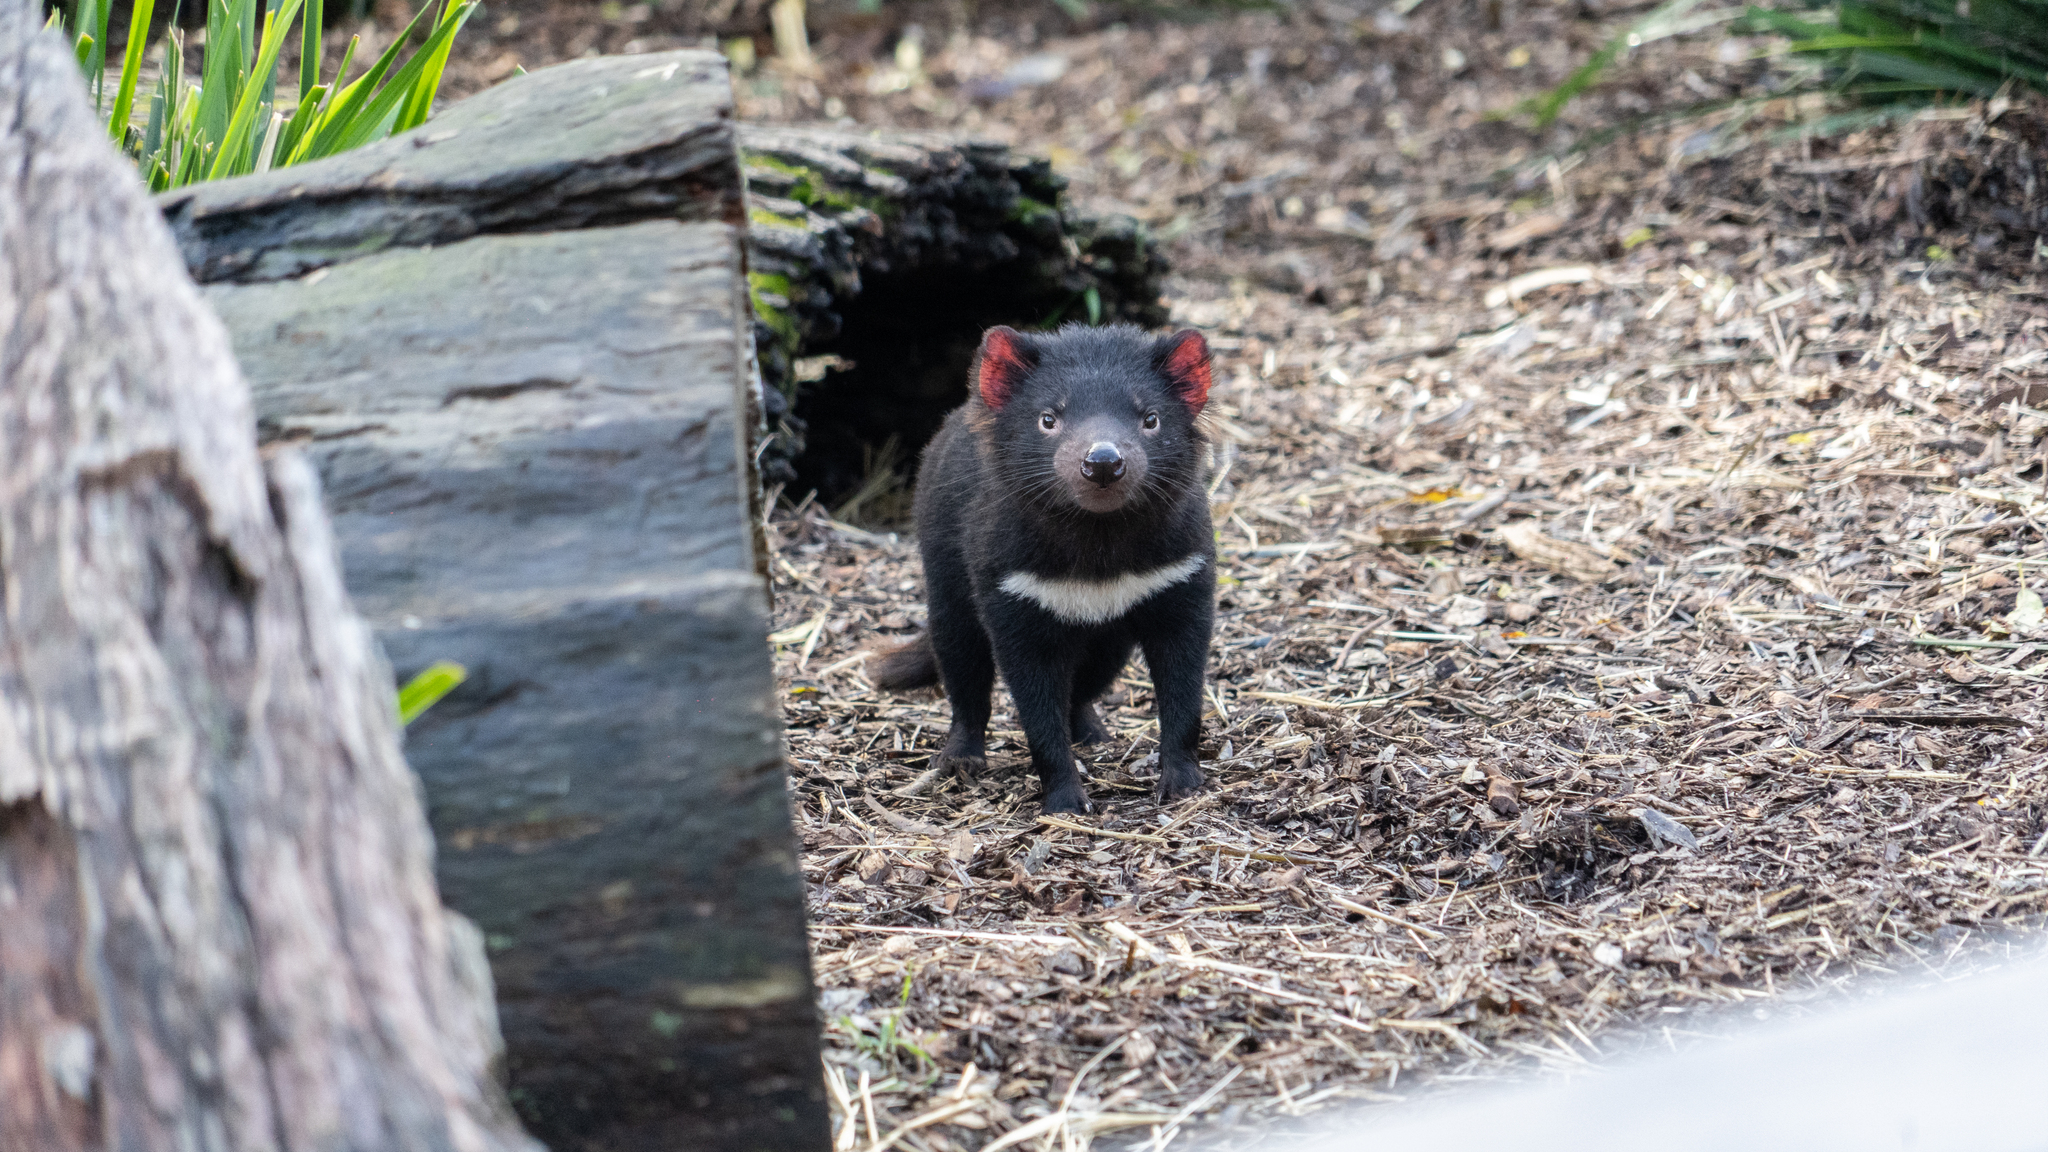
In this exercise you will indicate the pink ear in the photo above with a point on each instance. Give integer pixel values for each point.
(1001, 365)
(1186, 365)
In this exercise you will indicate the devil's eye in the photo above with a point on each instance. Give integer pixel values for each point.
(1151, 421)
(1048, 421)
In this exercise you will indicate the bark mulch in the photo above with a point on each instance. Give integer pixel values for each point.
(1642, 630)
(1631, 605)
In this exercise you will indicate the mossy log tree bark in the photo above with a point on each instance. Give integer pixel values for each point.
(221, 926)
(877, 260)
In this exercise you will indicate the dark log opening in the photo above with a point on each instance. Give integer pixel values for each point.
(910, 341)
(877, 264)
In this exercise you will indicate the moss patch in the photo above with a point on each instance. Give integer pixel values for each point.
(763, 216)
(812, 190)
(769, 293)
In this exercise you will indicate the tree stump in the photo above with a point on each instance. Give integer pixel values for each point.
(221, 925)
(515, 343)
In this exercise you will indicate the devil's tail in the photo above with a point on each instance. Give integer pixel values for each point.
(912, 664)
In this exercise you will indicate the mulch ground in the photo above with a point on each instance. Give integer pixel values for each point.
(1630, 604)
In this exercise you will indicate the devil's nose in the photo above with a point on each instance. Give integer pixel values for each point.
(1104, 464)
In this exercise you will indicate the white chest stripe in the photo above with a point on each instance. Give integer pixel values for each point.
(1096, 601)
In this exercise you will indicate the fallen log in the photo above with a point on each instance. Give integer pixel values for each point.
(515, 343)
(221, 924)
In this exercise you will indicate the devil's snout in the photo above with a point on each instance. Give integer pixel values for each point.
(1103, 465)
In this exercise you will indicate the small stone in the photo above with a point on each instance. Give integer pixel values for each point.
(1139, 1049)
(1664, 830)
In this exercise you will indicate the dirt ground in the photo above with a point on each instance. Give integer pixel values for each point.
(1629, 602)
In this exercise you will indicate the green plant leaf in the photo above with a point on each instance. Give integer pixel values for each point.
(96, 66)
(350, 104)
(1672, 18)
(330, 98)
(236, 143)
(303, 118)
(419, 101)
(131, 70)
(379, 116)
(312, 23)
(221, 71)
(426, 689)
(1919, 70)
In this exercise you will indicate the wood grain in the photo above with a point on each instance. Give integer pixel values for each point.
(222, 928)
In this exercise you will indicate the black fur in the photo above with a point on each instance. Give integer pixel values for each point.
(1000, 493)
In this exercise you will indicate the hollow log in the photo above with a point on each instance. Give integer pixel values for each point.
(884, 256)
(222, 930)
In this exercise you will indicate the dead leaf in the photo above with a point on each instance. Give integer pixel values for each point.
(1526, 539)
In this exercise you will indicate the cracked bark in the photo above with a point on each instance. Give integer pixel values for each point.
(222, 930)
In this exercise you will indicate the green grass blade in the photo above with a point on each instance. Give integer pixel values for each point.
(191, 162)
(419, 102)
(1667, 19)
(235, 145)
(1989, 62)
(221, 70)
(341, 122)
(1919, 70)
(331, 95)
(1847, 42)
(268, 79)
(311, 49)
(163, 101)
(1766, 19)
(426, 689)
(131, 70)
(303, 117)
(102, 18)
(153, 130)
(84, 52)
(376, 118)
(245, 26)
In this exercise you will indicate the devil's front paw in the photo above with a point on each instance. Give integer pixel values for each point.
(1178, 780)
(1067, 798)
(968, 766)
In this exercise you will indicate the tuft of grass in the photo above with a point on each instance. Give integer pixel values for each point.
(884, 1041)
(1886, 50)
(1869, 52)
(234, 121)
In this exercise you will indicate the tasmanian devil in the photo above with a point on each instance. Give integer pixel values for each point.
(1063, 521)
